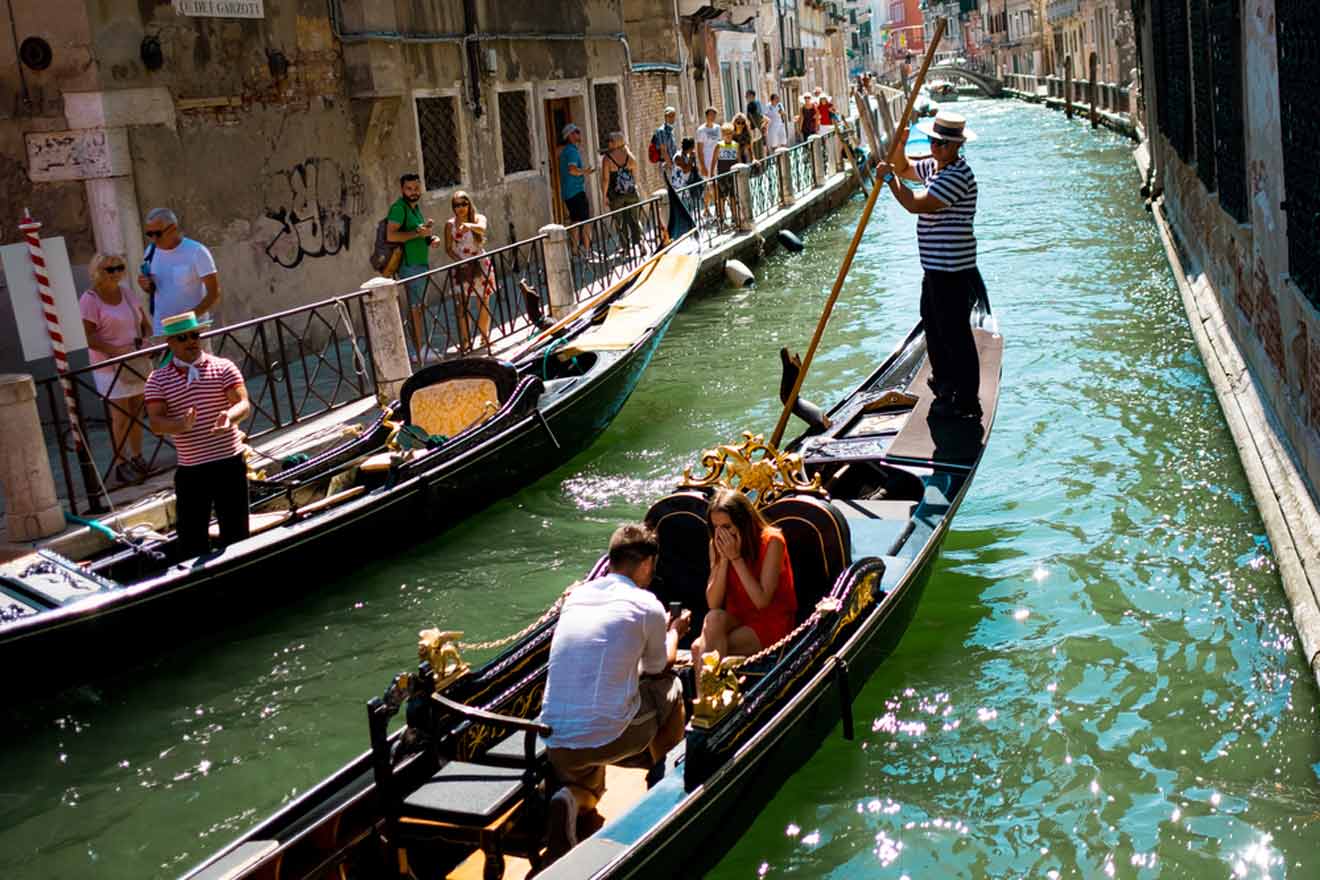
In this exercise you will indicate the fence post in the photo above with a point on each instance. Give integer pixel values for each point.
(817, 142)
(32, 509)
(742, 202)
(389, 347)
(785, 168)
(558, 270)
(1067, 86)
(1095, 120)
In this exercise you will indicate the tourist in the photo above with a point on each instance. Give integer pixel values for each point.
(757, 119)
(776, 128)
(178, 274)
(664, 139)
(573, 185)
(806, 122)
(824, 112)
(465, 238)
(726, 156)
(407, 227)
(685, 176)
(115, 325)
(742, 136)
(618, 184)
(946, 242)
(199, 399)
(708, 141)
(750, 592)
(600, 709)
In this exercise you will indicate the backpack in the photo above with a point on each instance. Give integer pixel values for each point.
(385, 254)
(653, 152)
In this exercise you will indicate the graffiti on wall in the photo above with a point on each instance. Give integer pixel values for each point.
(310, 211)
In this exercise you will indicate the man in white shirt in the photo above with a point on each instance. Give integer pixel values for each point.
(178, 274)
(609, 697)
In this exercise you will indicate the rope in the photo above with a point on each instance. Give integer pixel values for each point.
(520, 634)
(359, 362)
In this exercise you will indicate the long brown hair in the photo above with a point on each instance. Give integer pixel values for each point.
(744, 516)
(471, 206)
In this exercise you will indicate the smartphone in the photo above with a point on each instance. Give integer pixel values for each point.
(675, 610)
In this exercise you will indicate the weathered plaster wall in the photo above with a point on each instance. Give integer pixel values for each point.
(1274, 326)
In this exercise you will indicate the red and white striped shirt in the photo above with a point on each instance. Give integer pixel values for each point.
(208, 394)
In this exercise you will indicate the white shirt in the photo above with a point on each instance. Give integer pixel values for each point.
(178, 274)
(776, 133)
(708, 137)
(609, 631)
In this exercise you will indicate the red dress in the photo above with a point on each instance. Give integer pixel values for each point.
(776, 620)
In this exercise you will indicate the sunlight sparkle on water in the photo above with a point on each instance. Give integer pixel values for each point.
(1040, 573)
(1021, 614)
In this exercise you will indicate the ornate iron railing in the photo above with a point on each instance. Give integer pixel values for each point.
(296, 364)
(605, 248)
(714, 204)
(467, 305)
(800, 173)
(764, 181)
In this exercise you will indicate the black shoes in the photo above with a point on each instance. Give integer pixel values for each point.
(949, 408)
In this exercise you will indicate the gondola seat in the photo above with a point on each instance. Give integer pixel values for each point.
(446, 398)
(819, 545)
(683, 568)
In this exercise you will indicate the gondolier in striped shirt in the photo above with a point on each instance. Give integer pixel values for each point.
(199, 399)
(946, 241)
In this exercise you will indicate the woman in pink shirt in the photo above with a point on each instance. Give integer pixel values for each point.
(115, 325)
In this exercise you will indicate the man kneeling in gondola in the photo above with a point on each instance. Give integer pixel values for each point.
(609, 696)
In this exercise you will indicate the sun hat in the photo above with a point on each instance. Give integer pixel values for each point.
(569, 129)
(182, 323)
(947, 126)
(670, 109)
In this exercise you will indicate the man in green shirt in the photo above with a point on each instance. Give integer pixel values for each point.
(409, 228)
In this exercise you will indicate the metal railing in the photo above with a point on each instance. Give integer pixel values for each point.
(801, 175)
(764, 184)
(714, 205)
(605, 248)
(467, 305)
(296, 364)
(1110, 97)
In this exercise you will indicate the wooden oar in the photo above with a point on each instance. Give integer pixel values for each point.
(856, 239)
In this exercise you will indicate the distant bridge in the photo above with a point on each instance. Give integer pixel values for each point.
(987, 83)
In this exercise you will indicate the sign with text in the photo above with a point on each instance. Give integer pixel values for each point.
(221, 8)
(83, 154)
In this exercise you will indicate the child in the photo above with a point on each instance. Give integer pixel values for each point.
(685, 174)
(726, 156)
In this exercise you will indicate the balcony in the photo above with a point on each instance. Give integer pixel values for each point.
(795, 62)
(1059, 9)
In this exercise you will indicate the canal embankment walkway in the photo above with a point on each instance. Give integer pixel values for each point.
(789, 190)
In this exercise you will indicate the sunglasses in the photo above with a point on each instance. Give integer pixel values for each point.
(113, 269)
(157, 233)
(461, 204)
(938, 142)
(191, 336)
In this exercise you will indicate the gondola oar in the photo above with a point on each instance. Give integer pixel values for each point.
(856, 239)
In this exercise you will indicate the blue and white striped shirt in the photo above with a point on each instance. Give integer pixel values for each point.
(945, 238)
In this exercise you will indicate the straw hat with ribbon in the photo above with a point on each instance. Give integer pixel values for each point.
(947, 126)
(182, 323)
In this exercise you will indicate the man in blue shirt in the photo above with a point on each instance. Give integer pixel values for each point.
(572, 183)
(664, 140)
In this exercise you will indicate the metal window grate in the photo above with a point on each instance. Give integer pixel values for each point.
(608, 118)
(1160, 49)
(1299, 52)
(515, 132)
(1230, 140)
(437, 126)
(1203, 93)
(1178, 126)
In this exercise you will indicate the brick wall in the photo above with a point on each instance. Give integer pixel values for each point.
(646, 106)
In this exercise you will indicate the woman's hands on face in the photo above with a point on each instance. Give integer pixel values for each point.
(728, 543)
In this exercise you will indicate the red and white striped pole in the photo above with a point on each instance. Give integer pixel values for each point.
(30, 229)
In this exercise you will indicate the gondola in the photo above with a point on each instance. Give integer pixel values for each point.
(865, 497)
(463, 433)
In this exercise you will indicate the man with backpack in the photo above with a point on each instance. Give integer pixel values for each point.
(664, 147)
(407, 228)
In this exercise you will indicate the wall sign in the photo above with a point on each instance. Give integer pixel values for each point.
(221, 8)
(82, 154)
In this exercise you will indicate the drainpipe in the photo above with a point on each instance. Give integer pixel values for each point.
(471, 48)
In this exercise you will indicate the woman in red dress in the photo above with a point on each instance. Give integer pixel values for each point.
(750, 591)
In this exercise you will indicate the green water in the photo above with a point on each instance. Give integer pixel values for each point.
(1102, 678)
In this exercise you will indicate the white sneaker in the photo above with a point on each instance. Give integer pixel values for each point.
(563, 823)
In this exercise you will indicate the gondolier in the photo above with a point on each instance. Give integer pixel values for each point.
(946, 241)
(200, 399)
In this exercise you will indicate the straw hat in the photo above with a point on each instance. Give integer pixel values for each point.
(947, 126)
(182, 323)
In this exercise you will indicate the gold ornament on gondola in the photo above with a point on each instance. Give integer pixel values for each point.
(718, 689)
(439, 649)
(755, 468)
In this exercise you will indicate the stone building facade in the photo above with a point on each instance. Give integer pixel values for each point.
(1230, 117)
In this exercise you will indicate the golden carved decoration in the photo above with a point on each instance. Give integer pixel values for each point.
(891, 400)
(861, 600)
(755, 468)
(438, 648)
(718, 689)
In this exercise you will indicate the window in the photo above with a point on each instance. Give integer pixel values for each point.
(726, 80)
(437, 129)
(515, 132)
(1299, 34)
(1230, 145)
(1203, 92)
(749, 84)
(608, 118)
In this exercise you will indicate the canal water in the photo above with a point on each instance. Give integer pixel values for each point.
(1102, 678)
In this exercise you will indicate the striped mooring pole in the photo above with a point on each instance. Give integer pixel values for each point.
(31, 228)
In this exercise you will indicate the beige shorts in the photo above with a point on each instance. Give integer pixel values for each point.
(585, 768)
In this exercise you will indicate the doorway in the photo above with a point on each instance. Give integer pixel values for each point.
(558, 113)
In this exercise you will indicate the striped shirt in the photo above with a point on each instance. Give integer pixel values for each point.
(207, 392)
(945, 238)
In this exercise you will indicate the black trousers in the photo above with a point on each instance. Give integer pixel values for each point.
(946, 310)
(222, 484)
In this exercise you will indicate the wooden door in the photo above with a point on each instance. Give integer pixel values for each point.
(558, 113)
